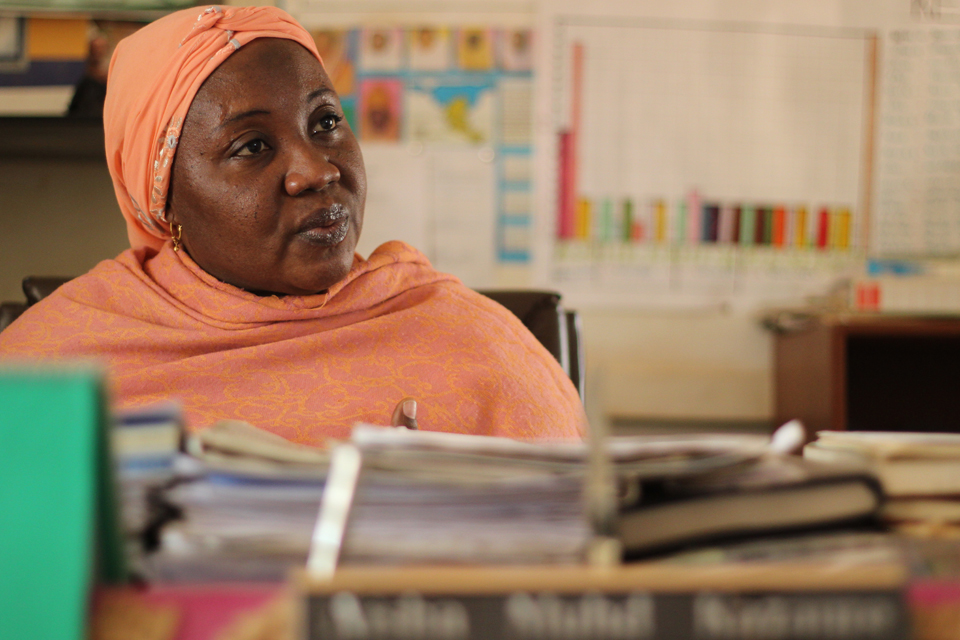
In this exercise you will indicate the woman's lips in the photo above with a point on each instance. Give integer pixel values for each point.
(327, 227)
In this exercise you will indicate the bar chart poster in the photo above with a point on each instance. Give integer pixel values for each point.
(701, 162)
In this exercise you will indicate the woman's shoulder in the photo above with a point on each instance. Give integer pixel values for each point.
(444, 287)
(100, 285)
(66, 310)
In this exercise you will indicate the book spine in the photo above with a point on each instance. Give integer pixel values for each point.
(861, 615)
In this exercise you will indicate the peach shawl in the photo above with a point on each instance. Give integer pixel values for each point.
(306, 367)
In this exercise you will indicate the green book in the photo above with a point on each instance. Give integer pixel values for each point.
(59, 527)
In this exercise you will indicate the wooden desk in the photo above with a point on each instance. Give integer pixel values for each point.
(870, 372)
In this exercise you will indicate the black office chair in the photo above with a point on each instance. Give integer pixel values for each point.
(10, 311)
(35, 288)
(540, 311)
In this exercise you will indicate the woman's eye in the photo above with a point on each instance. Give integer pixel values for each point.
(252, 148)
(329, 122)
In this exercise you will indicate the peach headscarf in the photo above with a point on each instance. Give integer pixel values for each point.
(154, 76)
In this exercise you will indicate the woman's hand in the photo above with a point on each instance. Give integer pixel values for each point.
(405, 415)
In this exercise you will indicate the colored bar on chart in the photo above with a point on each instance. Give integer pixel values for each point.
(779, 230)
(790, 226)
(725, 225)
(813, 226)
(748, 225)
(681, 222)
(735, 225)
(660, 215)
(711, 223)
(568, 151)
(694, 218)
(800, 231)
(606, 220)
(823, 228)
(844, 222)
(565, 213)
(627, 220)
(584, 218)
(760, 226)
(576, 101)
(642, 225)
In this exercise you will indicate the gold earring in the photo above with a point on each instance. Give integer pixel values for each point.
(175, 237)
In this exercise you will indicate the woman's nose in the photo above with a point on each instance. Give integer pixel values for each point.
(310, 169)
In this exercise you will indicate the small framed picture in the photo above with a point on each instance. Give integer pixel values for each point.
(429, 49)
(516, 49)
(381, 49)
(380, 109)
(475, 49)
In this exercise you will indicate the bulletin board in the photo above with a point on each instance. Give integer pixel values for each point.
(442, 104)
(744, 154)
(706, 162)
(650, 154)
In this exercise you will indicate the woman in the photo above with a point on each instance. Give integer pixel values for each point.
(243, 190)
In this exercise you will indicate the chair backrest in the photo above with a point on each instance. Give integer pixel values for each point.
(10, 311)
(540, 311)
(35, 288)
(578, 367)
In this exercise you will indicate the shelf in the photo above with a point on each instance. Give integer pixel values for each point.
(52, 138)
(143, 12)
(869, 372)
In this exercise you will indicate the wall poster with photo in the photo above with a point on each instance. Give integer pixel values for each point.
(443, 111)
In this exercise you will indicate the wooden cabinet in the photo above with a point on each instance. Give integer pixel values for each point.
(875, 373)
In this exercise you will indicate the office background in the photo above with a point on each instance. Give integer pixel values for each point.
(672, 168)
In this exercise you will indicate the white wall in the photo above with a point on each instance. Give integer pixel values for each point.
(677, 366)
(57, 217)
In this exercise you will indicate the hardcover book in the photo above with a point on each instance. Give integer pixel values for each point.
(778, 493)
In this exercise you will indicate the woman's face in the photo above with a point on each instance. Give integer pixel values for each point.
(268, 180)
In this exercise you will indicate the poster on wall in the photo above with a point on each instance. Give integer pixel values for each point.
(722, 166)
(443, 112)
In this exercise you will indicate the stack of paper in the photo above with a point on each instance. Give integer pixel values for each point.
(408, 517)
(438, 497)
(425, 497)
(247, 500)
(920, 472)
